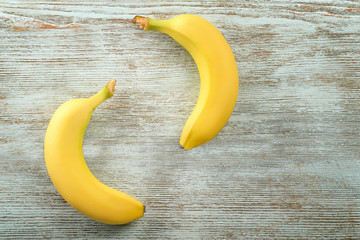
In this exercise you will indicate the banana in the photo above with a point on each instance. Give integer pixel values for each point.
(218, 73)
(68, 170)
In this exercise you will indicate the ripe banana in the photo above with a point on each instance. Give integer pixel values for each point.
(218, 73)
(68, 170)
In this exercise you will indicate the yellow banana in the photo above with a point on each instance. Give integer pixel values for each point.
(218, 73)
(69, 172)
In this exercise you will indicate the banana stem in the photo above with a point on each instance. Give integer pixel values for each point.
(110, 86)
(142, 21)
(106, 92)
(147, 23)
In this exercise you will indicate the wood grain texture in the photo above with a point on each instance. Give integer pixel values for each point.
(286, 166)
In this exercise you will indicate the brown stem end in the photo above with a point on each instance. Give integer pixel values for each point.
(142, 21)
(111, 86)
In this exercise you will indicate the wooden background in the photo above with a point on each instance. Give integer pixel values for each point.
(286, 166)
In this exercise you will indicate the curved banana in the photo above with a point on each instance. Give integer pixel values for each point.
(69, 172)
(218, 73)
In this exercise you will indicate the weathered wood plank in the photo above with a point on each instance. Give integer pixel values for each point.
(285, 166)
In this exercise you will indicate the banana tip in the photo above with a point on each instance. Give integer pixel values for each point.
(185, 146)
